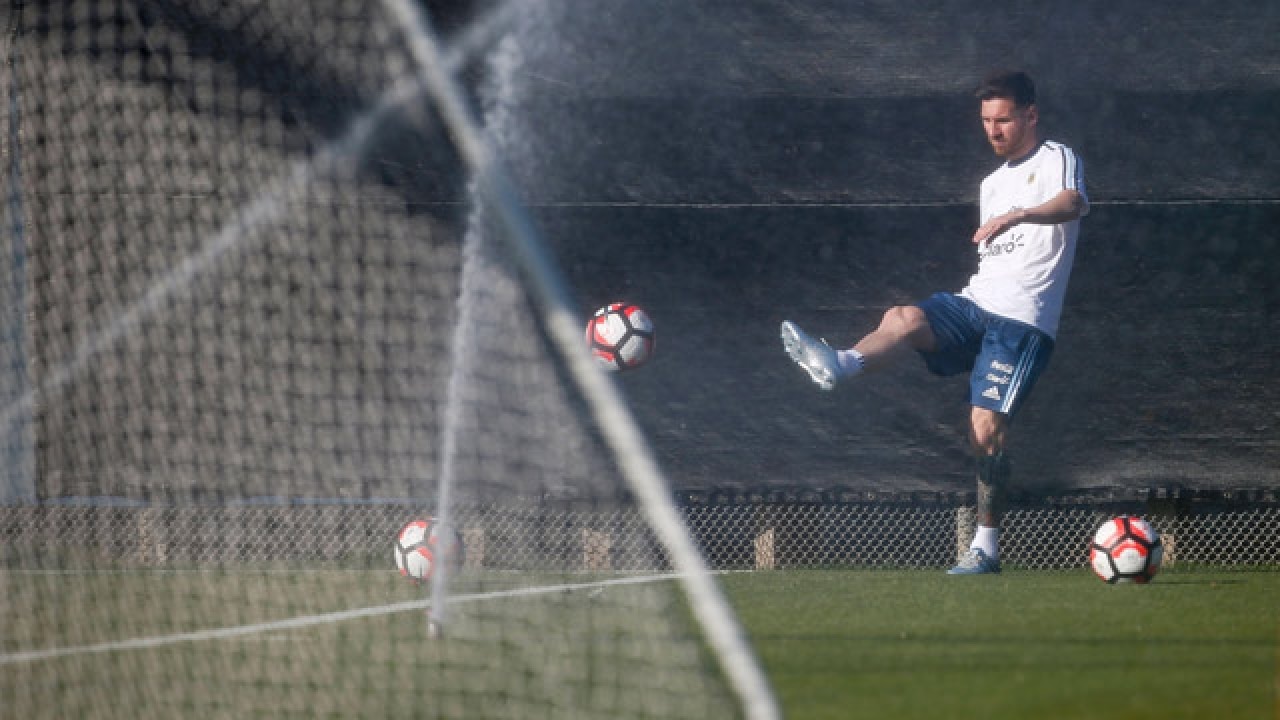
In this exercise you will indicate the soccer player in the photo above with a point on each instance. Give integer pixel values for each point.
(1000, 328)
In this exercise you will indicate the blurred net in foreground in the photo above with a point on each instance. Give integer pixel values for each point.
(237, 233)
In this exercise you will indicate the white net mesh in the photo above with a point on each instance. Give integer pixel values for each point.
(238, 266)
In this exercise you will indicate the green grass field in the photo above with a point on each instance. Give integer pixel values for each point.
(836, 643)
(277, 642)
(919, 644)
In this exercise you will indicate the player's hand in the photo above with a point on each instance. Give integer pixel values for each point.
(996, 225)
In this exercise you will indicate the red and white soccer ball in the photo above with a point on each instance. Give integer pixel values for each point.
(621, 336)
(1126, 549)
(420, 546)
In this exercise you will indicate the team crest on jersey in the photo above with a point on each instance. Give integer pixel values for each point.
(1031, 178)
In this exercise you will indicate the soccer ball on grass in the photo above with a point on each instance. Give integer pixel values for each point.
(621, 336)
(1126, 549)
(421, 545)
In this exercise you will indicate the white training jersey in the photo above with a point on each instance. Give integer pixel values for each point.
(1022, 273)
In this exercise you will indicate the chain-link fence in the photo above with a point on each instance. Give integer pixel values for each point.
(760, 533)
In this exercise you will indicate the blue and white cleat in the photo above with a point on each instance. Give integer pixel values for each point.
(976, 562)
(815, 356)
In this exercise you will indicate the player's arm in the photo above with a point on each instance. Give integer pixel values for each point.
(1066, 206)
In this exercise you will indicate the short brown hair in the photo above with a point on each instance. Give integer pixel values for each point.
(1013, 84)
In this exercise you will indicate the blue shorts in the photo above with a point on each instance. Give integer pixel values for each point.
(1004, 357)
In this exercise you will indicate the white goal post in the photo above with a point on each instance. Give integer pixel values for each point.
(564, 326)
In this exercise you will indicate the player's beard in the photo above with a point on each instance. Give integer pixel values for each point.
(1003, 148)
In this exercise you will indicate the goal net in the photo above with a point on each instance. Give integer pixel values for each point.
(263, 305)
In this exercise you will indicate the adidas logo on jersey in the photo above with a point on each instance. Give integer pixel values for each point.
(992, 392)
